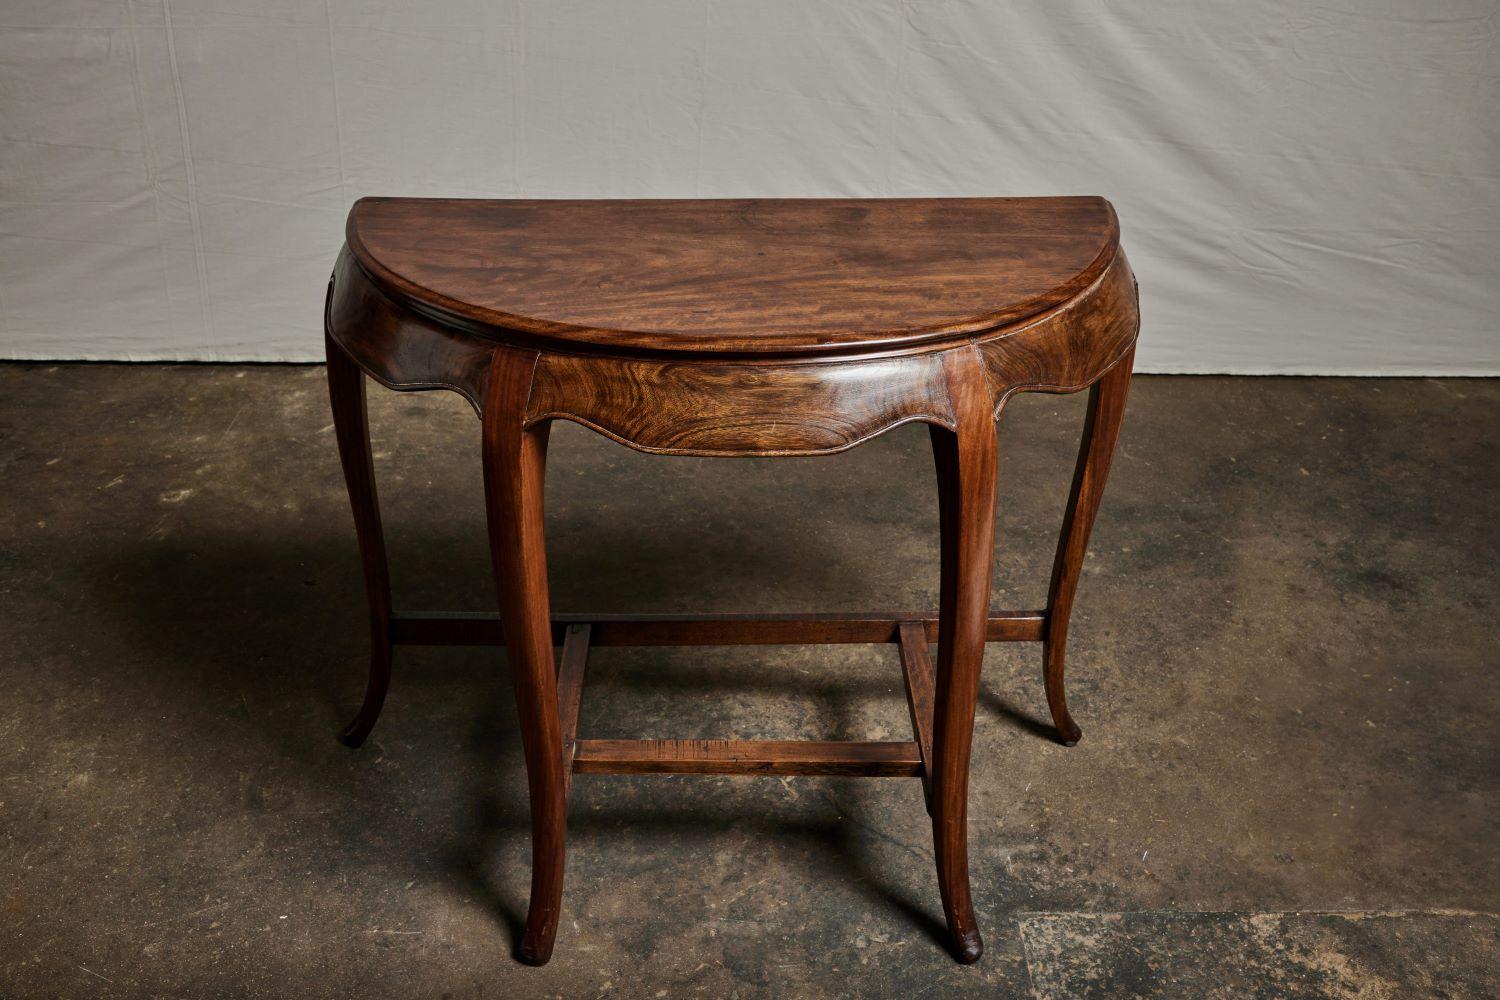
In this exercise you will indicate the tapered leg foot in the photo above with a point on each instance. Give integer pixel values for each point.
(358, 729)
(356, 732)
(1068, 733)
(967, 946)
(536, 947)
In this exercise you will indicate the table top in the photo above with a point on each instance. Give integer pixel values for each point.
(736, 276)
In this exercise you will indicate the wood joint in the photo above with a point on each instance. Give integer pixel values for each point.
(921, 696)
(570, 670)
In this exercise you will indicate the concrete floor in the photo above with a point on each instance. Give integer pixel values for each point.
(1284, 663)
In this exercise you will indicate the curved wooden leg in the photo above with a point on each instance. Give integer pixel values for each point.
(966, 469)
(1100, 430)
(346, 393)
(514, 468)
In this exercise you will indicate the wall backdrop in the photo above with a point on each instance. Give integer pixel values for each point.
(1308, 187)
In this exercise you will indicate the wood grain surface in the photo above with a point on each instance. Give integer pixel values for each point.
(735, 276)
(766, 408)
(401, 349)
(1071, 347)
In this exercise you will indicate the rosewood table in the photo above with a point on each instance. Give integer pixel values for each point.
(754, 327)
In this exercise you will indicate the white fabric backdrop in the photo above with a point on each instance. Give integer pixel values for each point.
(1304, 187)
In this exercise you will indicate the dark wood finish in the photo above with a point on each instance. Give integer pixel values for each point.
(570, 670)
(966, 468)
(699, 408)
(921, 693)
(514, 473)
(804, 757)
(399, 348)
(1070, 348)
(480, 628)
(346, 395)
(781, 366)
(735, 276)
(777, 327)
(1100, 431)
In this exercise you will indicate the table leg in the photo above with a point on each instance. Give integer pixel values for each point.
(514, 469)
(966, 470)
(346, 393)
(1100, 430)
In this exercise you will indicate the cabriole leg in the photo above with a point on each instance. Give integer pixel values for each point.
(1100, 430)
(966, 470)
(346, 393)
(514, 469)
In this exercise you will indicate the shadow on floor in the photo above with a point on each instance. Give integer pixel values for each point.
(191, 611)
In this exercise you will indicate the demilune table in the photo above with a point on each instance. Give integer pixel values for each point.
(735, 327)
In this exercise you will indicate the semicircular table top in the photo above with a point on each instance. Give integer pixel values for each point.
(736, 276)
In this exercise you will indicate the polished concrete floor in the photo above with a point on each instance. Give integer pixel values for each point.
(1284, 661)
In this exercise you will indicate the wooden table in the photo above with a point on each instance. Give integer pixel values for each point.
(756, 327)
